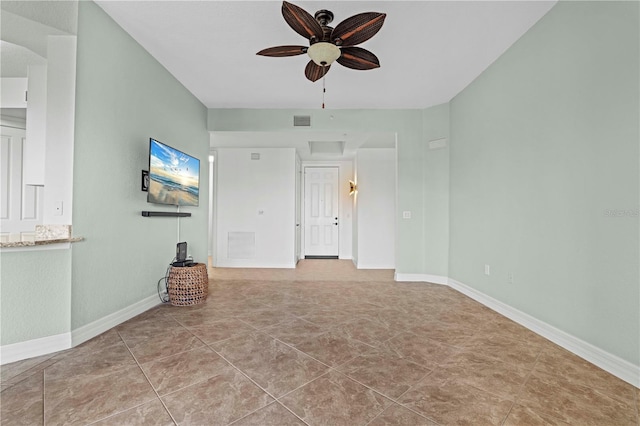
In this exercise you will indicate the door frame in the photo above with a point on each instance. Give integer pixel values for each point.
(345, 205)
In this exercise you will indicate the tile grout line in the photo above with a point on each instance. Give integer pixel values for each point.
(148, 381)
(260, 387)
(516, 399)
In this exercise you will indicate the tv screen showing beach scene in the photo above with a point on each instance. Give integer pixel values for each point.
(174, 176)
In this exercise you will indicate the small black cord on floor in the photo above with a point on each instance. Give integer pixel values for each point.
(163, 292)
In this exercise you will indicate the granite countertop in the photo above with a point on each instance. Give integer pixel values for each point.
(40, 242)
(43, 235)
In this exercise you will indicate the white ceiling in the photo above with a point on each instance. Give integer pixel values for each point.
(429, 50)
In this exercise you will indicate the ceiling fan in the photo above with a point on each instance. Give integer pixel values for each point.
(327, 44)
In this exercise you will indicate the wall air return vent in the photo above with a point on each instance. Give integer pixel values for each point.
(301, 121)
(255, 155)
(241, 245)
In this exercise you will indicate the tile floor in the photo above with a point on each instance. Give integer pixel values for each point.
(322, 345)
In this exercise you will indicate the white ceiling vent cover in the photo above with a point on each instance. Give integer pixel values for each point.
(301, 121)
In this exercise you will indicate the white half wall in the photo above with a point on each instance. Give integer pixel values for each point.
(255, 208)
(375, 208)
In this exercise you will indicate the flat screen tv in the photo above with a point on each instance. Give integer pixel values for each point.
(174, 177)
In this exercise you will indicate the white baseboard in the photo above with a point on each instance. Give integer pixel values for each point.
(427, 278)
(97, 327)
(256, 265)
(375, 266)
(33, 348)
(620, 368)
(59, 342)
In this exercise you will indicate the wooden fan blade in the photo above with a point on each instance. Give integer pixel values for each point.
(301, 21)
(315, 72)
(280, 51)
(358, 58)
(358, 28)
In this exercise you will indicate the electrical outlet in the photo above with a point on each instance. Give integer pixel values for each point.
(510, 278)
(406, 215)
(487, 270)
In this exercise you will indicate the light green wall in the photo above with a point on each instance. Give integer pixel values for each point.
(408, 126)
(124, 96)
(435, 189)
(543, 145)
(35, 294)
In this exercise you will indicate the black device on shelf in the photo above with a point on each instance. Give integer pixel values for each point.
(181, 252)
(181, 256)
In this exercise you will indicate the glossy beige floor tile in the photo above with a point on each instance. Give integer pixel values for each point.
(558, 362)
(488, 374)
(504, 348)
(451, 333)
(368, 330)
(183, 369)
(273, 365)
(384, 372)
(520, 415)
(335, 345)
(149, 346)
(272, 414)
(265, 317)
(397, 415)
(99, 356)
(574, 402)
(83, 399)
(22, 403)
(223, 329)
(295, 331)
(448, 401)
(13, 370)
(421, 350)
(334, 399)
(151, 413)
(221, 399)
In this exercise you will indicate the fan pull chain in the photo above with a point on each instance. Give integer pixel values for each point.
(324, 90)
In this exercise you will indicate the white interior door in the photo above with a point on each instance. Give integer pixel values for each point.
(20, 205)
(321, 228)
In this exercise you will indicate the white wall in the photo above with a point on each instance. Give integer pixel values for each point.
(256, 196)
(375, 200)
(35, 146)
(12, 90)
(61, 101)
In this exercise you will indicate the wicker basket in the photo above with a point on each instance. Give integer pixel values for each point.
(188, 285)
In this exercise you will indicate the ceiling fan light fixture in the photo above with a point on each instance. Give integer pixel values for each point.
(323, 53)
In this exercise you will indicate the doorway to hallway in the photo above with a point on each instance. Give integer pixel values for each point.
(321, 213)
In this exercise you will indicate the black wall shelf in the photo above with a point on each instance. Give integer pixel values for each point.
(165, 214)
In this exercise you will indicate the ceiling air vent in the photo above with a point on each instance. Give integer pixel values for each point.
(301, 121)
